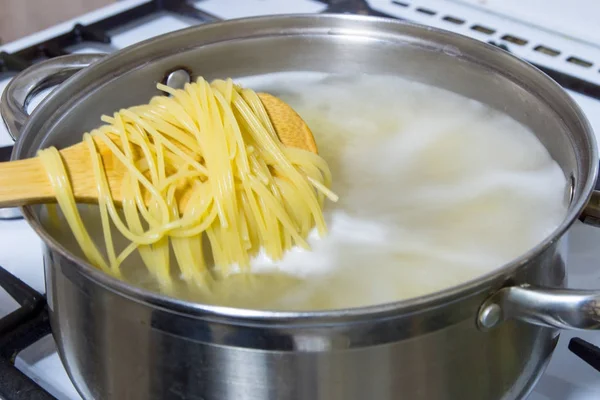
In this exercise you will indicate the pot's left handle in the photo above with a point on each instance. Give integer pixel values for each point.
(23, 87)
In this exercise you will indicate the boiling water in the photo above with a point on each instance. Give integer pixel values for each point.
(435, 190)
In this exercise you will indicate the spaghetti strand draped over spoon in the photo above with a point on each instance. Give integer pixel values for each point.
(214, 144)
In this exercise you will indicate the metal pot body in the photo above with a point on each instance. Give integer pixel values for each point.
(116, 348)
(119, 342)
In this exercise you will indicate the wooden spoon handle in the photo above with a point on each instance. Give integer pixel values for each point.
(24, 182)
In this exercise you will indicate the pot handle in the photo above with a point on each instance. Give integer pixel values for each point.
(554, 308)
(21, 89)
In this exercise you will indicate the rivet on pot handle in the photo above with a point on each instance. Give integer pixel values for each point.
(555, 308)
(21, 89)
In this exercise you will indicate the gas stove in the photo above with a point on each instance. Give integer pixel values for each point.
(561, 41)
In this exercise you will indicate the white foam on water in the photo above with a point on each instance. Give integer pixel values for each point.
(435, 190)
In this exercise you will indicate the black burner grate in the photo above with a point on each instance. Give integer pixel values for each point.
(96, 32)
(18, 330)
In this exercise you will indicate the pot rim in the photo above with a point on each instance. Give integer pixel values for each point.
(242, 316)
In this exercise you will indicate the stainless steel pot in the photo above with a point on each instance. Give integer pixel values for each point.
(121, 342)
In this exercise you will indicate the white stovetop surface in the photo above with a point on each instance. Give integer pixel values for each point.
(572, 22)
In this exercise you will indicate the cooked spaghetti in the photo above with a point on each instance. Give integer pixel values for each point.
(245, 191)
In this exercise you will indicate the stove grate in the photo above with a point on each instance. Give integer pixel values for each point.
(94, 33)
(18, 330)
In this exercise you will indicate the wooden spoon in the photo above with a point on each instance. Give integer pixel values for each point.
(24, 182)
